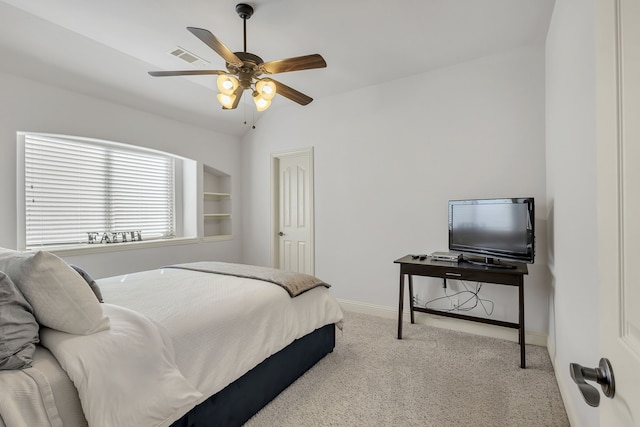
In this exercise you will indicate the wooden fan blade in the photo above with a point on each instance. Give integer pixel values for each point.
(238, 94)
(298, 63)
(292, 94)
(215, 44)
(185, 73)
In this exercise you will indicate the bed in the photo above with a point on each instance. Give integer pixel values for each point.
(198, 344)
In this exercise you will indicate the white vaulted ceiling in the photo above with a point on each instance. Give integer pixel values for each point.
(105, 48)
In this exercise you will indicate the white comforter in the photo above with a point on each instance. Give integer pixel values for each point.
(125, 376)
(221, 326)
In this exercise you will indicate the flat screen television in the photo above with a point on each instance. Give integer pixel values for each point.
(493, 229)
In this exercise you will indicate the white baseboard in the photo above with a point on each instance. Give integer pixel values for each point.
(460, 325)
(563, 384)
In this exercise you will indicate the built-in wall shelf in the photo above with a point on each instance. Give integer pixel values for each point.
(217, 237)
(216, 204)
(217, 196)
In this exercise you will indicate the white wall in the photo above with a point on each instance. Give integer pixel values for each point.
(389, 157)
(27, 105)
(571, 198)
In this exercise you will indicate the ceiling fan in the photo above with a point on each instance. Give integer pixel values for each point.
(244, 70)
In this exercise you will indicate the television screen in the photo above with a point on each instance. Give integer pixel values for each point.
(493, 228)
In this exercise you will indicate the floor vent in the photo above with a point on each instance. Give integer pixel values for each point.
(188, 57)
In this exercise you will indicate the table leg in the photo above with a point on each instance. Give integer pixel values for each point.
(523, 363)
(411, 298)
(400, 302)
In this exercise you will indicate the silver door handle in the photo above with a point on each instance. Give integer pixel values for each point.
(603, 375)
(281, 234)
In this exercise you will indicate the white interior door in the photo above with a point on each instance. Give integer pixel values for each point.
(294, 227)
(618, 70)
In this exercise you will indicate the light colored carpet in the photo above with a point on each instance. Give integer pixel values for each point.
(432, 377)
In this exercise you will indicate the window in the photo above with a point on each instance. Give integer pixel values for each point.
(79, 191)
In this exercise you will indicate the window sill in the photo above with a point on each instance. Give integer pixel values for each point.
(114, 247)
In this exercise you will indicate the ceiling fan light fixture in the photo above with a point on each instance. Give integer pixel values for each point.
(226, 100)
(227, 84)
(261, 103)
(244, 69)
(266, 88)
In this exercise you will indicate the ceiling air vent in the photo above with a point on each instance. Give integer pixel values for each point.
(188, 57)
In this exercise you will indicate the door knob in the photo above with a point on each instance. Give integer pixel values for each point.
(281, 234)
(603, 375)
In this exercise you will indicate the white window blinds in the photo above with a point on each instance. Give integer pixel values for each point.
(75, 187)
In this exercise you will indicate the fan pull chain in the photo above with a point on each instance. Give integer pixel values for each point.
(244, 112)
(253, 115)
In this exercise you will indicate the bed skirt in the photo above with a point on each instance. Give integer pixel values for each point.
(240, 400)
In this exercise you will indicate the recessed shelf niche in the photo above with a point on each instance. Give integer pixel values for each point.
(216, 204)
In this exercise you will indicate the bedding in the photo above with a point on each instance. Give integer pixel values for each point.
(135, 354)
(41, 395)
(18, 327)
(228, 322)
(293, 283)
(210, 331)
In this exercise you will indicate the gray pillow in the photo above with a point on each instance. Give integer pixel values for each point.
(18, 327)
(92, 283)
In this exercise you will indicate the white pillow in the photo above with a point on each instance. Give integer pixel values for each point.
(60, 298)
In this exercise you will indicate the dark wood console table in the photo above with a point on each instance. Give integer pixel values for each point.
(463, 271)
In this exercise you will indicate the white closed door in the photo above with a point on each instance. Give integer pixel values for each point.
(294, 230)
(618, 127)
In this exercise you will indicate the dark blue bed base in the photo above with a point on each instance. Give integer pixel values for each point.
(240, 400)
